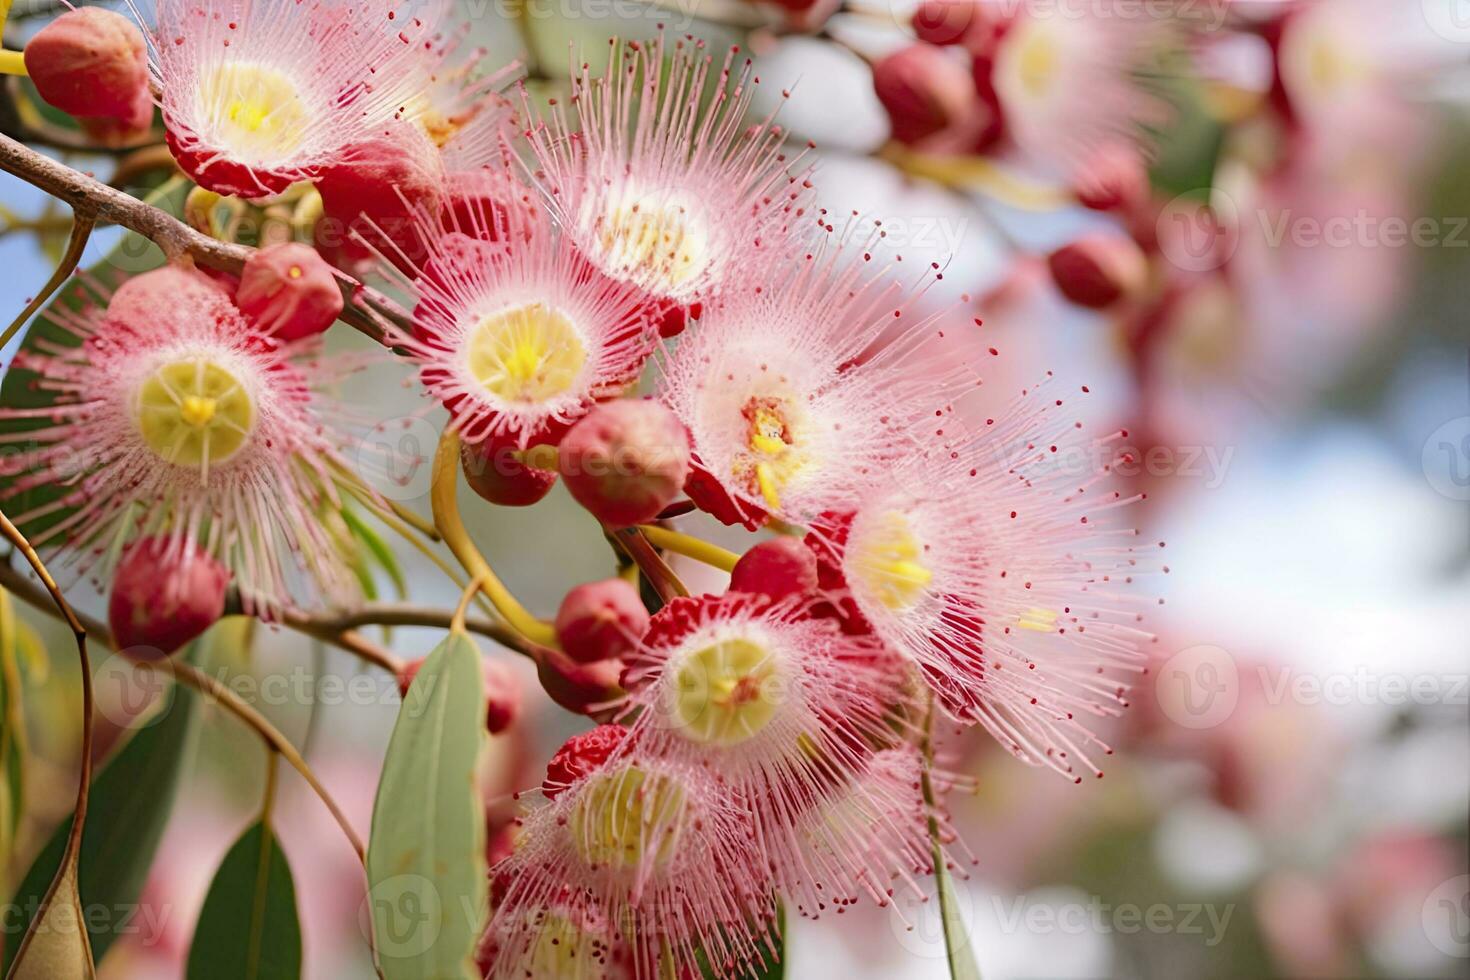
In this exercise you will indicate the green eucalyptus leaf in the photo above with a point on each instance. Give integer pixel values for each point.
(248, 928)
(12, 725)
(130, 804)
(58, 949)
(380, 550)
(426, 856)
(774, 966)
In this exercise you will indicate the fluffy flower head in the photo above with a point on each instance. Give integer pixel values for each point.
(258, 95)
(659, 180)
(173, 416)
(997, 568)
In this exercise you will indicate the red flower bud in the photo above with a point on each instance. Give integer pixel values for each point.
(370, 198)
(1113, 179)
(601, 621)
(580, 756)
(583, 689)
(625, 461)
(494, 471)
(502, 692)
(924, 91)
(144, 300)
(165, 593)
(1098, 270)
(92, 62)
(778, 568)
(288, 290)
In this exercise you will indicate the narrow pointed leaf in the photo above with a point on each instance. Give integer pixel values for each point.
(58, 948)
(249, 928)
(426, 855)
(130, 805)
(12, 725)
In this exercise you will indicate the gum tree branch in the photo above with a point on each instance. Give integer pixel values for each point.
(54, 602)
(365, 310)
(404, 614)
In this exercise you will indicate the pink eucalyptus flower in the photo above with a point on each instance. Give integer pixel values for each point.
(257, 96)
(515, 332)
(997, 567)
(794, 387)
(789, 711)
(1068, 84)
(179, 420)
(637, 860)
(659, 180)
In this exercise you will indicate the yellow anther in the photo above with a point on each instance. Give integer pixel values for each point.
(194, 412)
(721, 692)
(766, 481)
(253, 111)
(1037, 60)
(1040, 620)
(526, 353)
(625, 817)
(197, 411)
(886, 559)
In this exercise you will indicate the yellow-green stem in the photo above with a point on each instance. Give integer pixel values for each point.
(690, 547)
(443, 494)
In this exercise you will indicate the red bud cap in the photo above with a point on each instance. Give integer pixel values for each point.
(289, 290)
(92, 62)
(778, 568)
(580, 756)
(165, 593)
(583, 689)
(924, 91)
(373, 194)
(1114, 178)
(1099, 270)
(502, 692)
(601, 620)
(625, 461)
(170, 292)
(494, 471)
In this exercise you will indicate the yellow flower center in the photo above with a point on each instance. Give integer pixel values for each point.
(626, 817)
(1034, 59)
(253, 111)
(653, 238)
(193, 412)
(527, 353)
(772, 457)
(886, 558)
(722, 693)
